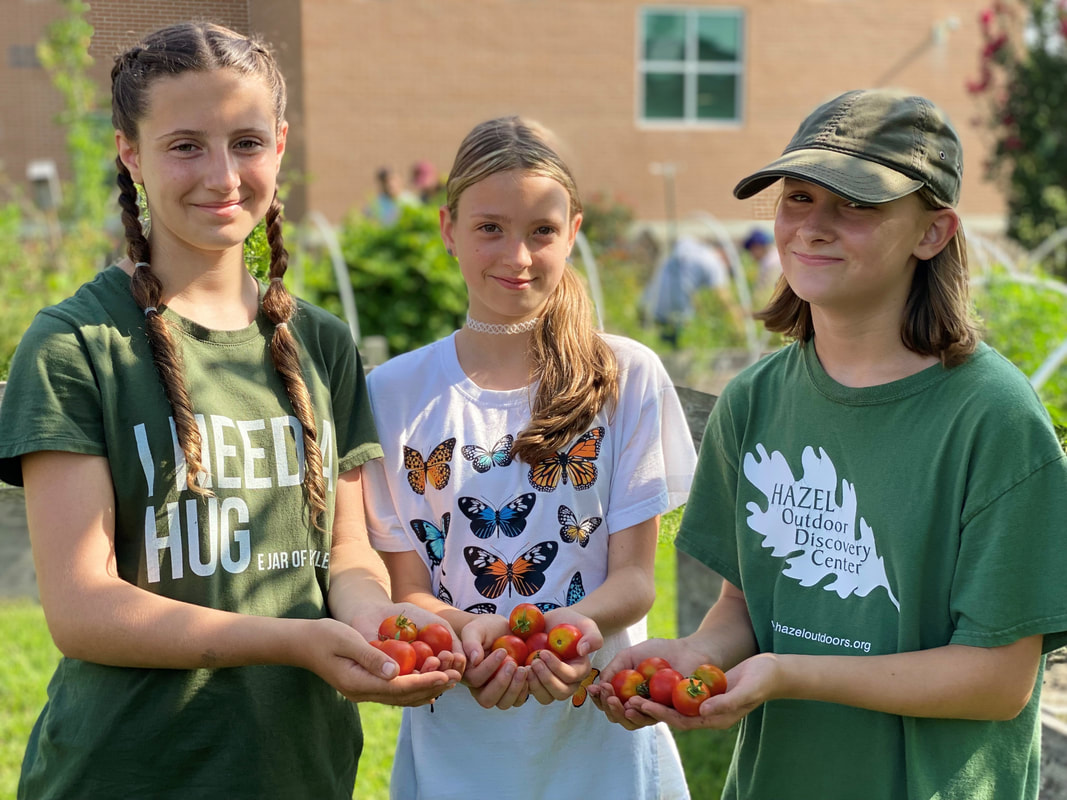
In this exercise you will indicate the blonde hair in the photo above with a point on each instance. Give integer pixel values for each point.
(203, 47)
(576, 370)
(939, 318)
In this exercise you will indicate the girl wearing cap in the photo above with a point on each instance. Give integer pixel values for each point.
(894, 496)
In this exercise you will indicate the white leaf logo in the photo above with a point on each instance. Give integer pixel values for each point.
(805, 524)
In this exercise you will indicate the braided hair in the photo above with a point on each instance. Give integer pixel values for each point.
(170, 51)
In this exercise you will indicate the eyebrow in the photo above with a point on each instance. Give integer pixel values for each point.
(198, 133)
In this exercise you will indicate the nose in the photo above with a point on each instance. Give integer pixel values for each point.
(222, 174)
(815, 226)
(517, 255)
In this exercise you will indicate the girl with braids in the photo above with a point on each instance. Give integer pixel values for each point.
(191, 445)
(528, 457)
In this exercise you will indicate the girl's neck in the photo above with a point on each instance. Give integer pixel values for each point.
(217, 292)
(868, 353)
(494, 361)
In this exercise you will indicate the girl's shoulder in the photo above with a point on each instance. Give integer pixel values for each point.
(403, 368)
(632, 356)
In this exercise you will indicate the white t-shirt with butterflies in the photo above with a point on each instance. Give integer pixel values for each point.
(493, 532)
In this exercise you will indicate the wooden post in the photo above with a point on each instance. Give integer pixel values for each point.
(697, 586)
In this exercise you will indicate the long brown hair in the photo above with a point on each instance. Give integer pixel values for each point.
(576, 370)
(939, 318)
(174, 50)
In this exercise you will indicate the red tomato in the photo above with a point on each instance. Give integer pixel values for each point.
(563, 640)
(513, 646)
(537, 641)
(532, 656)
(401, 652)
(422, 652)
(526, 619)
(437, 636)
(651, 665)
(661, 685)
(627, 683)
(713, 677)
(397, 627)
(689, 693)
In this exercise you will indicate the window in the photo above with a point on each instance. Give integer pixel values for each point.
(690, 66)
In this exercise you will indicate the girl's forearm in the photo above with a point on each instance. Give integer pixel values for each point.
(952, 682)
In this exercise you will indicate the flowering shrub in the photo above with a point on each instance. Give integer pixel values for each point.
(1022, 77)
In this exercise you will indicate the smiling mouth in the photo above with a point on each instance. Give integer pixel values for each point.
(514, 283)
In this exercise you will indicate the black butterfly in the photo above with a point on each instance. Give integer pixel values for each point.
(509, 519)
(492, 574)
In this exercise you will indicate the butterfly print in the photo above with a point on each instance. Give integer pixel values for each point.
(574, 466)
(434, 468)
(483, 460)
(509, 519)
(477, 608)
(578, 698)
(575, 592)
(432, 537)
(526, 574)
(573, 530)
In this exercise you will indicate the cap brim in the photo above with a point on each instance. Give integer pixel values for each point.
(849, 176)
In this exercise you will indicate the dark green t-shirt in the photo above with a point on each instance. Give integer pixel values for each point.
(886, 519)
(83, 381)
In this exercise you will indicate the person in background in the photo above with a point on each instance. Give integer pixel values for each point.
(425, 183)
(690, 266)
(760, 245)
(884, 497)
(191, 443)
(391, 197)
(528, 458)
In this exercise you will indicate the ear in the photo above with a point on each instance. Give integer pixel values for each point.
(283, 134)
(576, 223)
(942, 226)
(445, 220)
(129, 155)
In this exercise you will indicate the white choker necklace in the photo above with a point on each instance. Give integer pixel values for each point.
(493, 327)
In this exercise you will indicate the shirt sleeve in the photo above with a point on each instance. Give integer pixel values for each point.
(52, 400)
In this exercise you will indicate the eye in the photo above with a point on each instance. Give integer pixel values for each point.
(860, 206)
(184, 147)
(248, 144)
(489, 227)
(545, 230)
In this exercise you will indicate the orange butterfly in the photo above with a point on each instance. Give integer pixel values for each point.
(434, 469)
(575, 466)
(579, 697)
(492, 574)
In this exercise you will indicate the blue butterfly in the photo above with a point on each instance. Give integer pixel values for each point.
(433, 537)
(483, 460)
(575, 592)
(477, 608)
(509, 519)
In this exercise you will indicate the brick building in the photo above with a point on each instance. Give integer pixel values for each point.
(643, 93)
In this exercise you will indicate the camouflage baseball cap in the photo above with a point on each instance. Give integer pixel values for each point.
(870, 146)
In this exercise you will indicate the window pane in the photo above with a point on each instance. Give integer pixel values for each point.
(664, 96)
(664, 37)
(719, 38)
(717, 97)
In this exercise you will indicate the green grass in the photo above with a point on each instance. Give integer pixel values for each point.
(31, 658)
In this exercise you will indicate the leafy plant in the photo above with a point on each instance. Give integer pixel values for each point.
(1023, 80)
(407, 288)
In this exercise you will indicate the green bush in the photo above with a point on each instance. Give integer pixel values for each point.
(407, 288)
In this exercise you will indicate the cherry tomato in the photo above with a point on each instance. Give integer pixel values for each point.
(713, 677)
(397, 627)
(651, 665)
(513, 646)
(537, 641)
(437, 636)
(563, 640)
(627, 683)
(401, 652)
(661, 685)
(526, 619)
(532, 656)
(422, 652)
(689, 693)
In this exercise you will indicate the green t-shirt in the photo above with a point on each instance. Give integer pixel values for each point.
(83, 381)
(878, 520)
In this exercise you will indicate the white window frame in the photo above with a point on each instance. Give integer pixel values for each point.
(691, 67)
